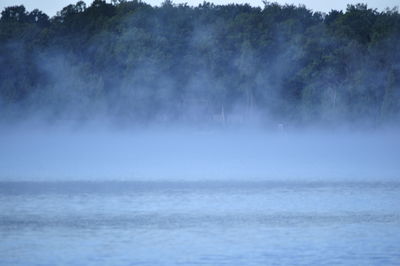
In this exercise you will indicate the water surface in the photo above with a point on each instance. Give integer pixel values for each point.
(199, 223)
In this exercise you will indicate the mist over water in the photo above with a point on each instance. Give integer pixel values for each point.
(211, 195)
(209, 135)
(160, 154)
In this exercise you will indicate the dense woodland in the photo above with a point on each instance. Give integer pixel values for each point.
(132, 62)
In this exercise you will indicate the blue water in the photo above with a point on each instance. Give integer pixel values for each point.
(199, 223)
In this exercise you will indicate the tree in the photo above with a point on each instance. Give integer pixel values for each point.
(14, 14)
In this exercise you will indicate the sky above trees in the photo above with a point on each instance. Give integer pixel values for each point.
(50, 7)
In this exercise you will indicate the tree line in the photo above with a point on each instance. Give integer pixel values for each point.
(132, 61)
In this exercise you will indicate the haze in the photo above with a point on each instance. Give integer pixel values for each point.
(199, 135)
(50, 154)
(145, 96)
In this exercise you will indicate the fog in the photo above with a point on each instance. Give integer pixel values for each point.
(141, 69)
(212, 135)
(197, 154)
(136, 98)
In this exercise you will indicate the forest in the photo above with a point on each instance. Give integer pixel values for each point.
(133, 63)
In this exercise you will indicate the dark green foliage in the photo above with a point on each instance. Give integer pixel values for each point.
(136, 62)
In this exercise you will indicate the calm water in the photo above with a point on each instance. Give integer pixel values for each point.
(199, 223)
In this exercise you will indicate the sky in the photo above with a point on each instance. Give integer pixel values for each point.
(51, 7)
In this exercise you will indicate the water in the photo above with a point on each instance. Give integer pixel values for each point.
(199, 223)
